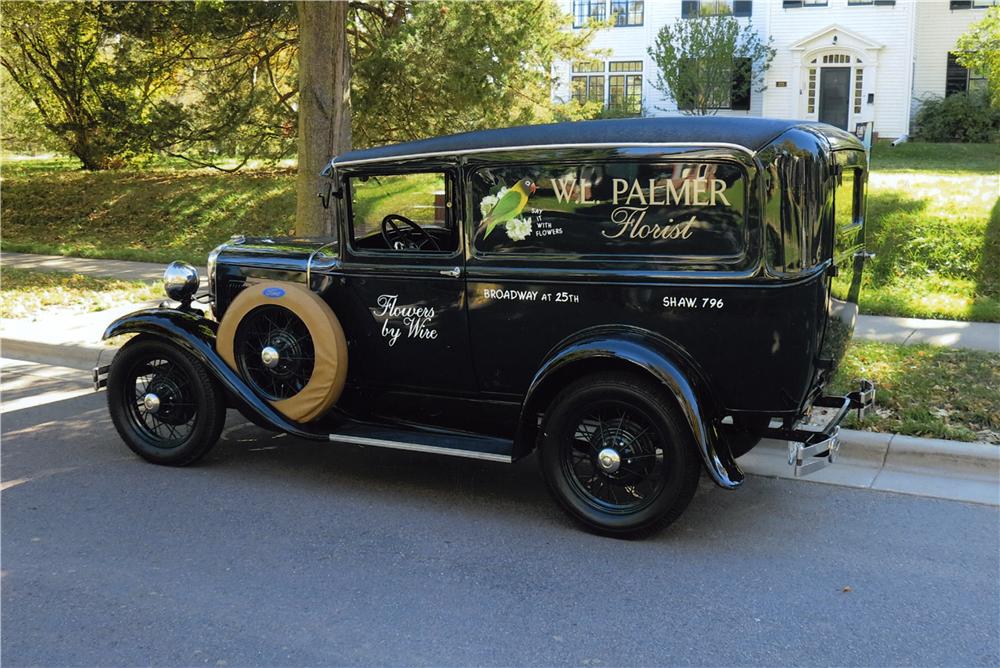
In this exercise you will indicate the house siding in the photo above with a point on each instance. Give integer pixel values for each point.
(902, 48)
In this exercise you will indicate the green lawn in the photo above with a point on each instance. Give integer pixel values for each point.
(933, 220)
(23, 293)
(926, 391)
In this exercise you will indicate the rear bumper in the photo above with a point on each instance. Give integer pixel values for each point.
(815, 442)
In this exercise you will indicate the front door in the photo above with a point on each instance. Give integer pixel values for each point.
(834, 95)
(404, 277)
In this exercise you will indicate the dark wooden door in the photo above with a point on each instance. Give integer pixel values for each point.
(834, 95)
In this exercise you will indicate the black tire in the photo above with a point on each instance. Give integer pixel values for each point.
(188, 412)
(655, 450)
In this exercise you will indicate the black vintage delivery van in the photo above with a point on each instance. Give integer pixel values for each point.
(639, 300)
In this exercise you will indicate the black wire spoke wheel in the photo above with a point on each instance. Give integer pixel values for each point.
(617, 455)
(163, 409)
(274, 352)
(164, 404)
(614, 459)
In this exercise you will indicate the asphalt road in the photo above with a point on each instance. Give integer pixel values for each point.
(275, 551)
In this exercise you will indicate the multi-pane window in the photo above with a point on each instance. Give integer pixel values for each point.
(587, 10)
(859, 75)
(789, 4)
(625, 87)
(836, 59)
(971, 4)
(811, 92)
(730, 90)
(693, 8)
(588, 82)
(959, 79)
(627, 12)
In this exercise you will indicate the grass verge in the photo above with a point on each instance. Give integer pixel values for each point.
(926, 391)
(933, 220)
(24, 292)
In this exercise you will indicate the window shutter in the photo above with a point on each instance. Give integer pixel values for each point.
(742, 7)
(961, 4)
(956, 79)
(689, 9)
(739, 98)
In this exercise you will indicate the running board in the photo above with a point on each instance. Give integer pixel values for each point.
(437, 443)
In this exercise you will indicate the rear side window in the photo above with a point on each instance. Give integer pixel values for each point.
(849, 198)
(688, 209)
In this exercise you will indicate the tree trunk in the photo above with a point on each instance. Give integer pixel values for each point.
(324, 107)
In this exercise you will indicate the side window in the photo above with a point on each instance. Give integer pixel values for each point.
(611, 208)
(848, 198)
(402, 212)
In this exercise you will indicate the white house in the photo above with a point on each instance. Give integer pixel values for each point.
(838, 61)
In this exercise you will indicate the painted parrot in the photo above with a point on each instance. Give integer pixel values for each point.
(509, 206)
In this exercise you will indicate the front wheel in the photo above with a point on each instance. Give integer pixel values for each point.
(163, 403)
(616, 455)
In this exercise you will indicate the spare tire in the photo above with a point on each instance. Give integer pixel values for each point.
(286, 343)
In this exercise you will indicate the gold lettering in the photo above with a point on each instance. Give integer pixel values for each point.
(718, 188)
(618, 190)
(635, 192)
(676, 196)
(699, 190)
(564, 189)
(652, 193)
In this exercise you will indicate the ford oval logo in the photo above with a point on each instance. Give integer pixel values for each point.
(274, 293)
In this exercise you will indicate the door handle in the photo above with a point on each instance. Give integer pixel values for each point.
(864, 255)
(451, 273)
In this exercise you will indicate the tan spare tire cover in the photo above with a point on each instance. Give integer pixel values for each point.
(329, 344)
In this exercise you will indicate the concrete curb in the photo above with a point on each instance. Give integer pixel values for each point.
(887, 462)
(895, 463)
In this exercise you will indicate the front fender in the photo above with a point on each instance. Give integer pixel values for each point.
(195, 335)
(644, 351)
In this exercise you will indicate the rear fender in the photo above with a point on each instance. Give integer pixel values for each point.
(195, 334)
(651, 354)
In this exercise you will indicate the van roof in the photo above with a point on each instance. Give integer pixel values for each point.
(752, 134)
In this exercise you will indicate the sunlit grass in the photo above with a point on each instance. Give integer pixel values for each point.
(25, 293)
(927, 391)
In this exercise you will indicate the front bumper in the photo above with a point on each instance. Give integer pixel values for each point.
(815, 442)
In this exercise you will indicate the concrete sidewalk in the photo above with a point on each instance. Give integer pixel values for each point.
(955, 334)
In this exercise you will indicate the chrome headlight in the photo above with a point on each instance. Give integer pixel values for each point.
(180, 281)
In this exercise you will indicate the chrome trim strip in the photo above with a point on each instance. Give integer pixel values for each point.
(505, 149)
(309, 262)
(416, 447)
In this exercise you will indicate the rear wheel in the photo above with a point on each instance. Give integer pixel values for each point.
(616, 455)
(163, 403)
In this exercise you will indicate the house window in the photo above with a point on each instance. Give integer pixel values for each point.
(836, 58)
(627, 12)
(959, 79)
(586, 85)
(625, 87)
(792, 4)
(859, 75)
(694, 8)
(586, 10)
(720, 92)
(972, 4)
(811, 92)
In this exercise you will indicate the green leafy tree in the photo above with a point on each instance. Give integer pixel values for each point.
(704, 62)
(979, 49)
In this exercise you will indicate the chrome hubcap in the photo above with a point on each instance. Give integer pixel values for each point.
(151, 402)
(609, 460)
(270, 357)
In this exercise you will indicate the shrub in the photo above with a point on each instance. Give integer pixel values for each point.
(964, 117)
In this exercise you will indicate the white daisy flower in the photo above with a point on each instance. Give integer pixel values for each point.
(518, 229)
(488, 202)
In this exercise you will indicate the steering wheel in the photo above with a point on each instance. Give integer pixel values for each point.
(410, 237)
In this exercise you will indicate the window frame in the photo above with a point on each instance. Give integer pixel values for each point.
(730, 90)
(740, 9)
(628, 4)
(625, 76)
(602, 15)
(453, 213)
(735, 260)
